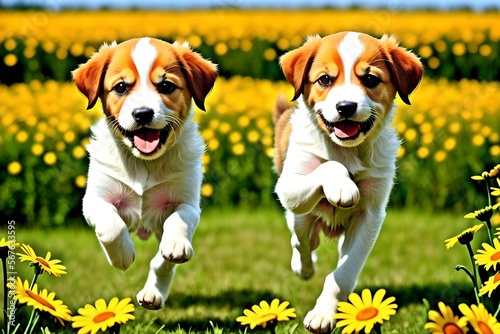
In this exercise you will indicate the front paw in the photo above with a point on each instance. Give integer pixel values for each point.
(341, 192)
(116, 243)
(151, 298)
(177, 250)
(319, 321)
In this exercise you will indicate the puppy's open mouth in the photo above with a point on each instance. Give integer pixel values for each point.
(147, 140)
(348, 129)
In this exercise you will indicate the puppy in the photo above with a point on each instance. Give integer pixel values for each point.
(145, 168)
(335, 152)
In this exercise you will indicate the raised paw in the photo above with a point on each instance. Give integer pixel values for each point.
(116, 243)
(319, 321)
(176, 250)
(341, 192)
(150, 298)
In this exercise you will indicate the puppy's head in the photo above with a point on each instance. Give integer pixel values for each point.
(146, 87)
(349, 80)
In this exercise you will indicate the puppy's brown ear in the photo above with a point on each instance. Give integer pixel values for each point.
(88, 77)
(406, 67)
(200, 73)
(296, 63)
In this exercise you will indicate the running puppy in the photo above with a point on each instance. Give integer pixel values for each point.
(335, 152)
(145, 168)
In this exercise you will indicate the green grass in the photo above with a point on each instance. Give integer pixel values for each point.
(242, 257)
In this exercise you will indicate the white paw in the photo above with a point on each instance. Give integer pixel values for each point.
(304, 268)
(319, 321)
(116, 243)
(151, 298)
(341, 192)
(176, 250)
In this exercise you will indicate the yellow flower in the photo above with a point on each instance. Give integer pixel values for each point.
(479, 318)
(50, 158)
(52, 267)
(489, 256)
(102, 316)
(207, 190)
(14, 168)
(81, 181)
(238, 149)
(490, 285)
(446, 322)
(464, 237)
(263, 313)
(10, 59)
(43, 301)
(481, 215)
(364, 312)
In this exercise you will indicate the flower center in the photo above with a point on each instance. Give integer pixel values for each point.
(267, 317)
(495, 257)
(497, 278)
(103, 317)
(43, 262)
(367, 314)
(451, 328)
(40, 300)
(485, 329)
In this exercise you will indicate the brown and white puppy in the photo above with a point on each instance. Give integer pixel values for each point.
(335, 152)
(145, 168)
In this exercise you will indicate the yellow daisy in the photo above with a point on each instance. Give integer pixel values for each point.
(480, 319)
(481, 215)
(465, 237)
(52, 267)
(364, 312)
(446, 322)
(43, 300)
(102, 316)
(490, 285)
(263, 313)
(489, 256)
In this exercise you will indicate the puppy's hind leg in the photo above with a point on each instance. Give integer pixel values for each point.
(157, 287)
(304, 241)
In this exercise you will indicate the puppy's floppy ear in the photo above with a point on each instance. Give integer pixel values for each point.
(200, 73)
(88, 77)
(406, 67)
(296, 63)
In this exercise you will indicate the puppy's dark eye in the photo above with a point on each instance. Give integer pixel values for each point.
(166, 87)
(120, 88)
(325, 80)
(370, 81)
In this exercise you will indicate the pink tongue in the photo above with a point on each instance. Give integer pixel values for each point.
(147, 140)
(346, 129)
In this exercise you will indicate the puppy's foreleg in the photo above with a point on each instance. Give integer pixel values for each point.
(110, 230)
(178, 230)
(360, 236)
(157, 287)
(300, 193)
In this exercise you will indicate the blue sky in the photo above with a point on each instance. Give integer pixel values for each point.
(182, 4)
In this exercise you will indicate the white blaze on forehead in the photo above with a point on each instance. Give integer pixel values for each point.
(350, 49)
(143, 55)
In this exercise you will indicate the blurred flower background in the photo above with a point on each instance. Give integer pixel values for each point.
(450, 131)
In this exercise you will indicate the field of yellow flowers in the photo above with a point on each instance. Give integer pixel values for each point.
(450, 131)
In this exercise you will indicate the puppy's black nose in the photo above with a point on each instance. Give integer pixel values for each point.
(346, 108)
(143, 115)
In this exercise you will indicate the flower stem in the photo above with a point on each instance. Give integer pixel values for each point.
(498, 310)
(38, 271)
(471, 254)
(490, 236)
(27, 331)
